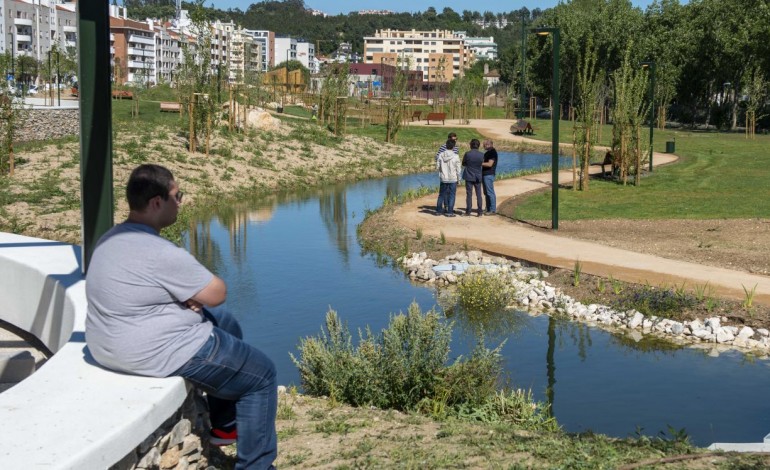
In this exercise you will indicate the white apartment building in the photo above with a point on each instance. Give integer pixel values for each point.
(221, 34)
(306, 55)
(168, 53)
(480, 47)
(285, 49)
(31, 28)
(245, 55)
(439, 55)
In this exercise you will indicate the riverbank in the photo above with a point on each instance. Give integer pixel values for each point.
(43, 197)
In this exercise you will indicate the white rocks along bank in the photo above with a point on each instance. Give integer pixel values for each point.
(536, 296)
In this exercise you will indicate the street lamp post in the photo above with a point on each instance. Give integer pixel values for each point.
(13, 57)
(58, 78)
(523, 67)
(651, 65)
(555, 114)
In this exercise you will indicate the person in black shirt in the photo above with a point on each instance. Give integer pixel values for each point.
(488, 169)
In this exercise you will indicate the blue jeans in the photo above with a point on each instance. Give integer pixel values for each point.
(447, 194)
(240, 383)
(489, 192)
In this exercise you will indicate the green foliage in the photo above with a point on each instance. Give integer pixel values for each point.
(576, 273)
(651, 301)
(515, 407)
(483, 292)
(590, 101)
(398, 368)
(748, 300)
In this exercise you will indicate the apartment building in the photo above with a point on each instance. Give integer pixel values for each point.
(221, 35)
(266, 40)
(439, 55)
(480, 47)
(306, 55)
(133, 51)
(168, 53)
(245, 54)
(285, 49)
(31, 28)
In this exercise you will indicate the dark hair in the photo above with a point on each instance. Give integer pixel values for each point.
(475, 143)
(450, 144)
(451, 135)
(146, 182)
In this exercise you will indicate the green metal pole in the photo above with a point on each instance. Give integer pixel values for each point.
(555, 138)
(523, 66)
(96, 186)
(652, 106)
(58, 77)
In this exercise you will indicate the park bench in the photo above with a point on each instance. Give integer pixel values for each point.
(435, 117)
(522, 127)
(122, 95)
(170, 107)
(417, 115)
(609, 159)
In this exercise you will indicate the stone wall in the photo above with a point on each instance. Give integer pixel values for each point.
(44, 124)
(177, 443)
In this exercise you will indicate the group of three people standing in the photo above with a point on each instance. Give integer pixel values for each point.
(477, 169)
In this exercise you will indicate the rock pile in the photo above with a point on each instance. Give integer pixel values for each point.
(536, 296)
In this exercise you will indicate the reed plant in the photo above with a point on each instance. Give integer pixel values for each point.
(576, 273)
(748, 300)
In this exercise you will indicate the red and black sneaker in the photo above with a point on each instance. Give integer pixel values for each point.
(223, 436)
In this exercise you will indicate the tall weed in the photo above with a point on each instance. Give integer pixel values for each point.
(398, 368)
(484, 292)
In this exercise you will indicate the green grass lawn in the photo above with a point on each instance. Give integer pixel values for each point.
(719, 175)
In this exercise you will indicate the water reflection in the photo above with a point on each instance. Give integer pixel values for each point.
(288, 258)
(332, 205)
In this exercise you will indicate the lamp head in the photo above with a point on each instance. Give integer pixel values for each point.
(544, 31)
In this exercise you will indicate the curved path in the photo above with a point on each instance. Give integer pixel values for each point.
(504, 236)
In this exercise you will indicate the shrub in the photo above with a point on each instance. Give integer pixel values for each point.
(651, 301)
(484, 292)
(398, 368)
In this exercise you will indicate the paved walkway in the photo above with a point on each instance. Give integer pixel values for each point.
(508, 237)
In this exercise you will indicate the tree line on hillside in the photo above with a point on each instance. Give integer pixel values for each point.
(712, 57)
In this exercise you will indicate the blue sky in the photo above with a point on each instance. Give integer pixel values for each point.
(334, 7)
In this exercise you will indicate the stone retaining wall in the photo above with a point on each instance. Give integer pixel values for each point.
(44, 124)
(177, 443)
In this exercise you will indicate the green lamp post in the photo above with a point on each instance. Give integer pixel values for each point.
(555, 114)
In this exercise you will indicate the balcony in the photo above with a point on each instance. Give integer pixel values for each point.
(149, 53)
(72, 29)
(141, 40)
(23, 38)
(22, 22)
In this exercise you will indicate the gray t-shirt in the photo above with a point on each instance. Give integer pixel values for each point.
(136, 287)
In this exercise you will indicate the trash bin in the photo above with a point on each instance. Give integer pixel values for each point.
(670, 146)
(279, 109)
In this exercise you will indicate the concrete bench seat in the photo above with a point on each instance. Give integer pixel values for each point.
(71, 413)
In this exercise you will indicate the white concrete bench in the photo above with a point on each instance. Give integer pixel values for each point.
(70, 414)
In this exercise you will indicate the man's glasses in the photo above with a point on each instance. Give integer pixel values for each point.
(178, 196)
